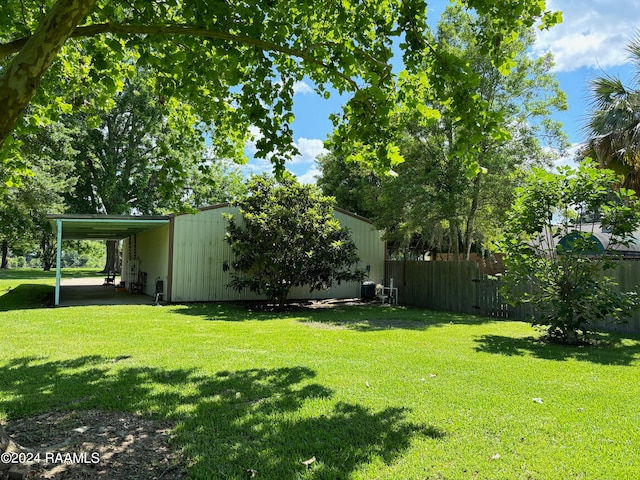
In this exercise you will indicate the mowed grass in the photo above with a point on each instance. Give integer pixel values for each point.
(371, 392)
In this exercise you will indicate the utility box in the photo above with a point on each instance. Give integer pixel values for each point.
(368, 290)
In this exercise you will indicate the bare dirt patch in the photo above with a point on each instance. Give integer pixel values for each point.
(336, 303)
(94, 444)
(302, 305)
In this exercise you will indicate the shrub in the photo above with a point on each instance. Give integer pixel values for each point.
(563, 233)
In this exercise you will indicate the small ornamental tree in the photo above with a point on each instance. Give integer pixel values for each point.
(554, 260)
(286, 236)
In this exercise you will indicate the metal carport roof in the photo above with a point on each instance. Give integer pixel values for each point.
(104, 227)
(99, 227)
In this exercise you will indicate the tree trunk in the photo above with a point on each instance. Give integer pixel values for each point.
(454, 242)
(471, 219)
(7, 444)
(5, 254)
(4, 439)
(24, 73)
(48, 251)
(112, 263)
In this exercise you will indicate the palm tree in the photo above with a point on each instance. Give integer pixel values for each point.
(613, 127)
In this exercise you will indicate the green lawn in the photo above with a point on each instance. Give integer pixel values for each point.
(370, 392)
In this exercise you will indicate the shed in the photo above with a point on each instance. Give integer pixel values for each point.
(186, 252)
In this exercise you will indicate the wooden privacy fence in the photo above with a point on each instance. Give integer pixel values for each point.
(462, 287)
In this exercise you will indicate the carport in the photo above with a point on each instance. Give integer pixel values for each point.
(98, 227)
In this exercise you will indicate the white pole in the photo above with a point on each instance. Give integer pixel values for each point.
(58, 261)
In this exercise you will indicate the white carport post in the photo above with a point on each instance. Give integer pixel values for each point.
(58, 261)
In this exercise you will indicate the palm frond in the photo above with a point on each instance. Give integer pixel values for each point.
(613, 126)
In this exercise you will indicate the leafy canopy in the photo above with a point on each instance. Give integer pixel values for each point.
(432, 201)
(140, 155)
(24, 228)
(237, 63)
(286, 236)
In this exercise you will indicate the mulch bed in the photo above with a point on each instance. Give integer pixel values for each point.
(94, 444)
(302, 305)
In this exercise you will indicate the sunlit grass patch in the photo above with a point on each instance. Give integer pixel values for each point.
(367, 391)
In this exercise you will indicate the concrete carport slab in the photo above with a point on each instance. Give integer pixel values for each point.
(92, 291)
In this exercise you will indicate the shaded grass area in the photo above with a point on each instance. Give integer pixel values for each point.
(606, 350)
(26, 296)
(369, 392)
(30, 288)
(229, 423)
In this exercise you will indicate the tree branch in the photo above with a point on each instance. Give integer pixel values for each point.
(23, 74)
(14, 46)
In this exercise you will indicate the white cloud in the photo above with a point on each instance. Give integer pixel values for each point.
(569, 159)
(302, 88)
(310, 176)
(594, 33)
(255, 135)
(257, 166)
(309, 149)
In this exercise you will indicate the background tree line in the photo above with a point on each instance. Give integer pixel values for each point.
(133, 89)
(144, 155)
(432, 202)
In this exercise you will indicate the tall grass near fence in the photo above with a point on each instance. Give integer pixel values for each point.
(462, 287)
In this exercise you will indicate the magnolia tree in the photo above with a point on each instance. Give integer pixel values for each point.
(286, 236)
(557, 255)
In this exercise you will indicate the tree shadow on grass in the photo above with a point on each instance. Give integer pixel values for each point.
(362, 318)
(371, 319)
(228, 425)
(27, 296)
(609, 350)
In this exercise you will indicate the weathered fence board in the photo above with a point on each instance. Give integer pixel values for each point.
(627, 275)
(462, 287)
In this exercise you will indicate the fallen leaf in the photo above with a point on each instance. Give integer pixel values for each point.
(495, 457)
(309, 462)
(537, 400)
(367, 384)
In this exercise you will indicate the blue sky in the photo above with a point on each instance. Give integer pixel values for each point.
(590, 41)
